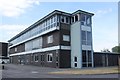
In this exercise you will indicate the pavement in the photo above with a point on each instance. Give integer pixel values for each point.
(28, 71)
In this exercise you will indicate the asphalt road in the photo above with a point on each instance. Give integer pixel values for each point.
(25, 71)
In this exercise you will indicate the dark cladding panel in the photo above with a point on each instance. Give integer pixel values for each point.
(65, 26)
(0, 49)
(98, 59)
(19, 48)
(11, 51)
(65, 59)
(112, 60)
(55, 42)
(102, 59)
(3, 49)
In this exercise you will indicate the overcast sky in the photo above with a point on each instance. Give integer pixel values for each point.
(16, 15)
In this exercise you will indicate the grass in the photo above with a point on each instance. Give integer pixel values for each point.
(104, 70)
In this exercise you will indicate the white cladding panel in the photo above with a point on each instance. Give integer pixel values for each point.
(86, 47)
(86, 28)
(76, 44)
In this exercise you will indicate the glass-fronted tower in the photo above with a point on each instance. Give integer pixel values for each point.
(81, 39)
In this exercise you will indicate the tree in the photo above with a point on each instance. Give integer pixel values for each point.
(105, 50)
(116, 49)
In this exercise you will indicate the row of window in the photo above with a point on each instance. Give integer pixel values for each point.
(37, 43)
(85, 19)
(33, 44)
(53, 22)
(35, 58)
(65, 38)
(46, 25)
(65, 19)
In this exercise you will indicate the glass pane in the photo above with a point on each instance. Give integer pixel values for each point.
(66, 38)
(90, 65)
(83, 35)
(84, 42)
(75, 59)
(83, 56)
(67, 20)
(88, 20)
(82, 17)
(76, 18)
(62, 19)
(50, 58)
(84, 65)
(89, 38)
(75, 64)
(89, 56)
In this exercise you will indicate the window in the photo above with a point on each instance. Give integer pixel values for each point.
(50, 39)
(42, 57)
(49, 57)
(51, 20)
(56, 58)
(46, 23)
(76, 18)
(16, 49)
(66, 38)
(62, 19)
(55, 18)
(67, 20)
(83, 35)
(36, 44)
(75, 59)
(32, 57)
(57, 64)
(72, 19)
(89, 56)
(75, 64)
(28, 46)
(40, 42)
(86, 58)
(19, 58)
(86, 38)
(89, 38)
(33, 44)
(27, 58)
(85, 19)
(88, 20)
(82, 17)
(36, 57)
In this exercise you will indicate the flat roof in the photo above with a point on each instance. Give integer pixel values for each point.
(44, 18)
(107, 53)
(81, 11)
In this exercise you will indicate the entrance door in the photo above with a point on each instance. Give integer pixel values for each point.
(86, 58)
